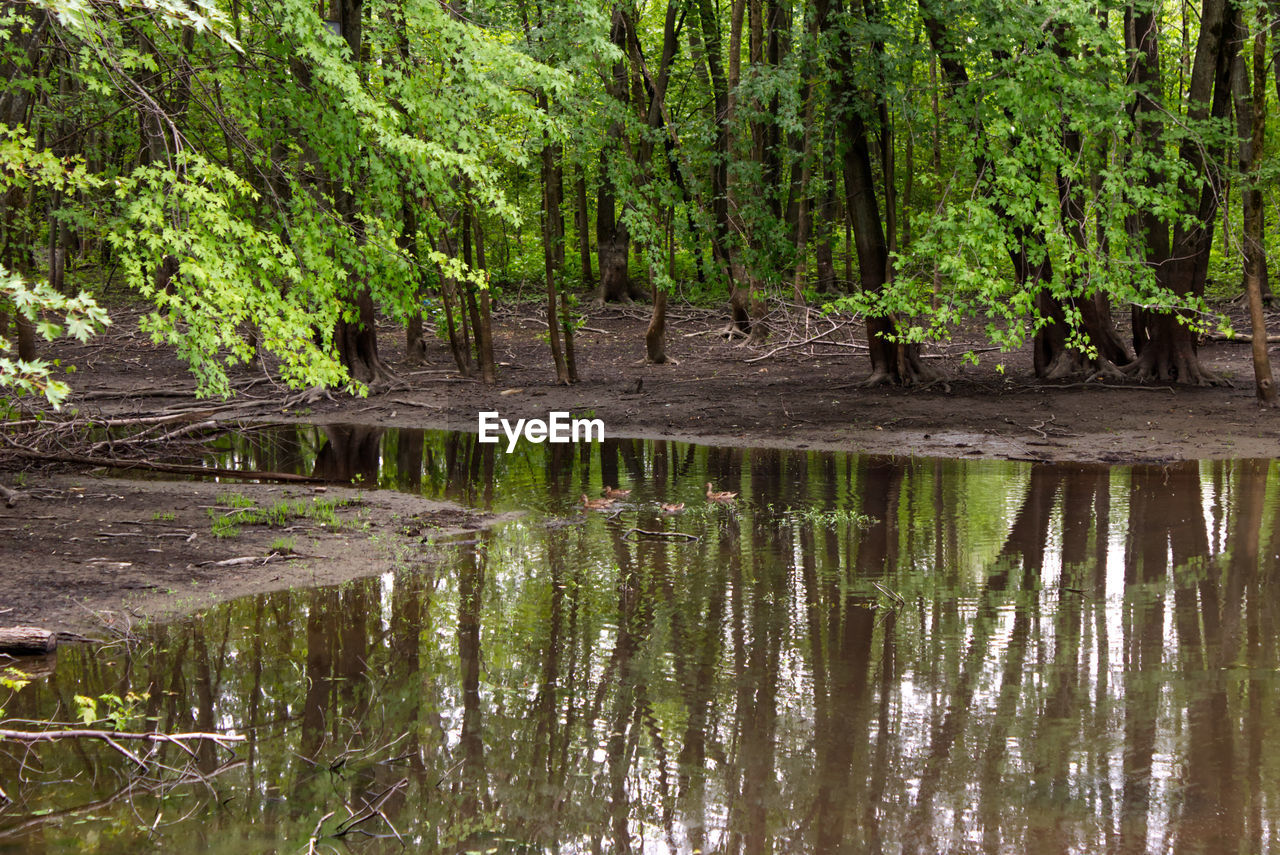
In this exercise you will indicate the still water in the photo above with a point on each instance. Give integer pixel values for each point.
(864, 654)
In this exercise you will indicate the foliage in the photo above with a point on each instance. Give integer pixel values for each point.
(255, 174)
(13, 680)
(111, 710)
(322, 512)
(80, 314)
(1042, 85)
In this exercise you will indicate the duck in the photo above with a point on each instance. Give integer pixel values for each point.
(616, 492)
(596, 504)
(724, 497)
(668, 508)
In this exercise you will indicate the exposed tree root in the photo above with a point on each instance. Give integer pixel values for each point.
(1072, 363)
(1149, 367)
(307, 397)
(920, 377)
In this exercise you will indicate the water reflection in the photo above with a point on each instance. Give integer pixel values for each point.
(866, 655)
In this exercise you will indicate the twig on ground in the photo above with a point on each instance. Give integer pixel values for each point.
(250, 559)
(791, 345)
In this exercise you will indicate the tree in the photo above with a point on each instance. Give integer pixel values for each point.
(288, 189)
(1179, 251)
(893, 359)
(1253, 121)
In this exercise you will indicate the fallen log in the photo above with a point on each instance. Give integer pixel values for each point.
(1242, 338)
(27, 641)
(174, 468)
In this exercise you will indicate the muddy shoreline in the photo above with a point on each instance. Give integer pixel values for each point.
(96, 556)
(724, 393)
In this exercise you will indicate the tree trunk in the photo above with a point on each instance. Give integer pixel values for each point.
(655, 337)
(891, 362)
(415, 344)
(355, 334)
(613, 243)
(26, 337)
(469, 287)
(1253, 245)
(484, 331)
(1054, 357)
(823, 217)
(740, 284)
(1255, 260)
(452, 314)
(584, 236)
(803, 215)
(356, 340)
(720, 110)
(552, 251)
(1166, 347)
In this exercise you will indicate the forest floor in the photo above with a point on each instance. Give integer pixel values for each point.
(86, 553)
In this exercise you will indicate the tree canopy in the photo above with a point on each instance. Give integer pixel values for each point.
(270, 177)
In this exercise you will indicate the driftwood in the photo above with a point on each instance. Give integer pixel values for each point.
(27, 641)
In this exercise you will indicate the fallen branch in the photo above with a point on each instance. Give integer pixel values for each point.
(790, 345)
(137, 785)
(371, 810)
(114, 738)
(671, 535)
(891, 594)
(182, 534)
(249, 559)
(408, 403)
(138, 393)
(165, 437)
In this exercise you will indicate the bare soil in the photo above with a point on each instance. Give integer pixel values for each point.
(94, 556)
(721, 392)
(81, 552)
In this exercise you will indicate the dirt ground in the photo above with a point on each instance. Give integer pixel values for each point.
(812, 396)
(80, 552)
(94, 556)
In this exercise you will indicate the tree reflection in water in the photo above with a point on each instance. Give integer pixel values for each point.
(1082, 659)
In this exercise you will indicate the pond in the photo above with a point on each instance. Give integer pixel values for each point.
(861, 654)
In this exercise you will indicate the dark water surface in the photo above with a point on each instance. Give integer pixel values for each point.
(866, 655)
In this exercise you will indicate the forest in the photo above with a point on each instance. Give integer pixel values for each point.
(269, 180)
(927, 499)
